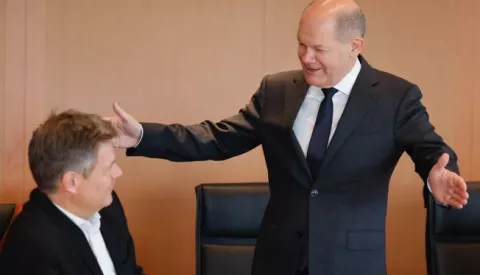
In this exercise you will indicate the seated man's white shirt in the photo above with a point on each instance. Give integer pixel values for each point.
(91, 229)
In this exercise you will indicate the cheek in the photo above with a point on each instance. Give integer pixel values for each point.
(106, 185)
(103, 186)
(329, 60)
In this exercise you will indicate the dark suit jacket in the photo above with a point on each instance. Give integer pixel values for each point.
(43, 241)
(341, 213)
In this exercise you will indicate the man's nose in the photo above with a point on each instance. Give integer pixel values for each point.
(308, 56)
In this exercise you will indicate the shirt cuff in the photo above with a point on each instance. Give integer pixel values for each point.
(140, 139)
(428, 184)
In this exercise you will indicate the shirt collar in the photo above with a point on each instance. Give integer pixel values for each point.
(346, 84)
(92, 224)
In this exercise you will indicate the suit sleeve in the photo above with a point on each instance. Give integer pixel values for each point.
(207, 140)
(415, 133)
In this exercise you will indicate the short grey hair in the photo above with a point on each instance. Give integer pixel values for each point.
(349, 24)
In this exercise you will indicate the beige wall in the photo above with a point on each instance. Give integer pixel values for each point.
(2, 90)
(185, 61)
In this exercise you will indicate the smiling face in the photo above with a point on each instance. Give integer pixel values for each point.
(94, 192)
(324, 59)
(330, 38)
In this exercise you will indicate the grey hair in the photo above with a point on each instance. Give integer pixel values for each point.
(349, 24)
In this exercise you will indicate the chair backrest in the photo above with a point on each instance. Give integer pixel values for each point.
(453, 236)
(228, 222)
(7, 213)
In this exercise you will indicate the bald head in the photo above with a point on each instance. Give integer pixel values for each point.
(346, 17)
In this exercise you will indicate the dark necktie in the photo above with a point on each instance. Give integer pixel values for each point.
(321, 132)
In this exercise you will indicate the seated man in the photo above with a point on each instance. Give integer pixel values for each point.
(73, 222)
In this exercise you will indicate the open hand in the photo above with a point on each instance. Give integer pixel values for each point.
(129, 129)
(447, 187)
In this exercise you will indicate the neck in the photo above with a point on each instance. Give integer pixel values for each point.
(69, 205)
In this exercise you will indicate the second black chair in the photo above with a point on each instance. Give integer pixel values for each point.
(453, 237)
(228, 222)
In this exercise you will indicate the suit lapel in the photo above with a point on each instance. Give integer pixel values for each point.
(361, 98)
(115, 234)
(113, 245)
(294, 98)
(72, 235)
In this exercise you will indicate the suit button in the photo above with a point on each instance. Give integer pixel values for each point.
(314, 193)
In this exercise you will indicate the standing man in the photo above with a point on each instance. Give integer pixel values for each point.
(332, 134)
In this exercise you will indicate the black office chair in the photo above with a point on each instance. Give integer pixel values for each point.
(453, 236)
(7, 212)
(228, 222)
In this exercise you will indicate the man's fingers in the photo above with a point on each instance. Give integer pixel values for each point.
(459, 184)
(120, 112)
(461, 193)
(455, 200)
(458, 187)
(460, 198)
(455, 204)
(109, 119)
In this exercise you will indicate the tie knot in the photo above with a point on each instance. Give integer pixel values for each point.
(329, 92)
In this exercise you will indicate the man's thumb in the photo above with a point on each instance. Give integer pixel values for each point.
(120, 112)
(442, 161)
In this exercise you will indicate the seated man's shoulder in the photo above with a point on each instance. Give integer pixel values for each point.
(31, 225)
(30, 236)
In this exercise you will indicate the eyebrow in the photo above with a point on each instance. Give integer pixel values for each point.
(314, 46)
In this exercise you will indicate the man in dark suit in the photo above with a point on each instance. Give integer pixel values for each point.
(332, 134)
(73, 223)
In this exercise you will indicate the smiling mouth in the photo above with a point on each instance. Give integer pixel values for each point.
(311, 70)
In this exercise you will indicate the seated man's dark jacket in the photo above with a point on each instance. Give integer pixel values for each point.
(42, 240)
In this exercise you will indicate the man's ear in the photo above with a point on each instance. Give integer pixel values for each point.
(69, 181)
(357, 46)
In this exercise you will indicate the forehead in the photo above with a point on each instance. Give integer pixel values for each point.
(316, 30)
(106, 152)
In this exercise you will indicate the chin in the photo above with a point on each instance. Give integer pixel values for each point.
(314, 81)
(317, 80)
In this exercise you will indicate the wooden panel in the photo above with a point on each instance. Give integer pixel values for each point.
(475, 144)
(34, 77)
(14, 102)
(281, 25)
(167, 61)
(432, 48)
(2, 92)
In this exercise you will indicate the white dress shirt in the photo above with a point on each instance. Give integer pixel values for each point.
(307, 115)
(91, 229)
